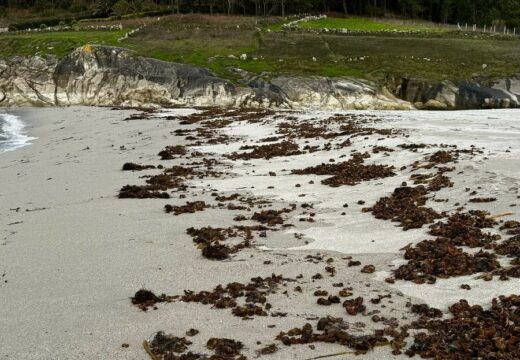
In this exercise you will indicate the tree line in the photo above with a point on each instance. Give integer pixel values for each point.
(480, 12)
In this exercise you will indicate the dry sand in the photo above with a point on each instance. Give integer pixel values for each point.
(72, 254)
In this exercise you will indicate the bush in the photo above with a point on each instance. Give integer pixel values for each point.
(122, 7)
(79, 6)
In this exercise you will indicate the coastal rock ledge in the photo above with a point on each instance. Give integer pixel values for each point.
(111, 76)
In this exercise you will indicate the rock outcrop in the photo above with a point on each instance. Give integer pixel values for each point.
(113, 76)
(109, 76)
(100, 75)
(452, 95)
(27, 81)
(336, 93)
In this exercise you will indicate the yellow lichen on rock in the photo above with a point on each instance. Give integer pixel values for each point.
(87, 48)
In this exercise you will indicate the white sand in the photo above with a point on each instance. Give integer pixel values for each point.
(497, 172)
(73, 261)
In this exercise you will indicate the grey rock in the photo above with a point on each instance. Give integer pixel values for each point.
(109, 76)
(113, 76)
(335, 93)
(28, 81)
(476, 94)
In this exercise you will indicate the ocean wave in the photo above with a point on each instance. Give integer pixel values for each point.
(12, 133)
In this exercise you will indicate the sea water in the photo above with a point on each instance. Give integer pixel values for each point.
(12, 133)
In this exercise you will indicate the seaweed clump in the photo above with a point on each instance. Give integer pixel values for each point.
(141, 192)
(333, 332)
(350, 172)
(284, 148)
(209, 240)
(224, 348)
(145, 299)
(129, 166)
(189, 208)
(170, 152)
(163, 344)
(439, 258)
(472, 332)
(405, 206)
(255, 294)
(271, 217)
(465, 229)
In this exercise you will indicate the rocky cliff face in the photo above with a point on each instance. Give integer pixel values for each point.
(114, 76)
(27, 81)
(109, 76)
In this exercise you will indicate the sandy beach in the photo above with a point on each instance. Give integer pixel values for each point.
(73, 255)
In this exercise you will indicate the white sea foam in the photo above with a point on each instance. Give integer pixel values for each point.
(12, 133)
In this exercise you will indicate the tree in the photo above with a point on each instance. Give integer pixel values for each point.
(103, 7)
(445, 11)
(212, 4)
(510, 12)
(230, 4)
(410, 8)
(480, 12)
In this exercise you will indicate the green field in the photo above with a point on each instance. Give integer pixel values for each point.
(55, 43)
(361, 24)
(216, 42)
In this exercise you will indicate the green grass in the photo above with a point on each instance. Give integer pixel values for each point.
(360, 24)
(54, 43)
(217, 42)
(375, 57)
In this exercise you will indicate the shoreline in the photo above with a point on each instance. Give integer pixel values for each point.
(73, 254)
(14, 128)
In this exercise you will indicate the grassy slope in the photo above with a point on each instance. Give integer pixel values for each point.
(209, 42)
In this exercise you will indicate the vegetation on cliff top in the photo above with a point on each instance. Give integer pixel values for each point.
(217, 42)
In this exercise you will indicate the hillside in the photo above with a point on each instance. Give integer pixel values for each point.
(377, 50)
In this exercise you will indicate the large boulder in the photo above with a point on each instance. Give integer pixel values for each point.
(27, 81)
(335, 93)
(475, 94)
(114, 76)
